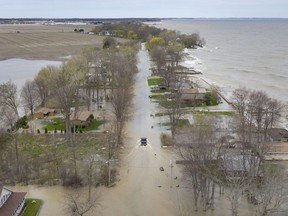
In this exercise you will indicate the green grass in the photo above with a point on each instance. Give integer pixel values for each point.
(180, 123)
(94, 126)
(154, 81)
(159, 91)
(161, 114)
(32, 208)
(58, 124)
(55, 123)
(157, 97)
(226, 113)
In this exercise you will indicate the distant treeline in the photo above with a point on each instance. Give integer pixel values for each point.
(138, 30)
(84, 20)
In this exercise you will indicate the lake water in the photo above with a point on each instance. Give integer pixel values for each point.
(20, 70)
(240, 52)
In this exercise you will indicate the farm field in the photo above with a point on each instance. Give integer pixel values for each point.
(44, 42)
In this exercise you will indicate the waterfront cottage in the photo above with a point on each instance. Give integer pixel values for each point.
(44, 112)
(193, 95)
(11, 203)
(81, 118)
(236, 165)
(277, 149)
(278, 134)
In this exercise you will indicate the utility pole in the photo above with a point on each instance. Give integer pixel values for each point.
(171, 173)
(109, 175)
(109, 159)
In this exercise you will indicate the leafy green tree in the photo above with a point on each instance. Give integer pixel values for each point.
(118, 33)
(154, 42)
(192, 41)
(22, 123)
(211, 99)
(132, 35)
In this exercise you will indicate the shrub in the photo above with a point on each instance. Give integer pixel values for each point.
(166, 140)
(22, 123)
(73, 181)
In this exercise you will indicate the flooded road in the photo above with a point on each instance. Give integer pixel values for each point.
(143, 189)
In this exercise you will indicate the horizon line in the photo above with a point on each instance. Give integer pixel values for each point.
(158, 18)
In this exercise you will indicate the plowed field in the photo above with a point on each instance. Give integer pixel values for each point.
(45, 42)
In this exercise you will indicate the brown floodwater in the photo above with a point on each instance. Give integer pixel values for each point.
(142, 188)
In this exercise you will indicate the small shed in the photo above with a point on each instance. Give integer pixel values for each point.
(81, 118)
(44, 112)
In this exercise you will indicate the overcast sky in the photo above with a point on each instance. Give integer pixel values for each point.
(142, 8)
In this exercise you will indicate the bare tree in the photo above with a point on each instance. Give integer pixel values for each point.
(172, 103)
(65, 83)
(158, 57)
(77, 205)
(198, 150)
(30, 97)
(42, 82)
(9, 97)
(123, 69)
(9, 113)
(271, 193)
(121, 101)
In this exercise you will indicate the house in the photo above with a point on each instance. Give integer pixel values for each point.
(236, 165)
(278, 134)
(81, 118)
(11, 203)
(43, 112)
(277, 149)
(192, 94)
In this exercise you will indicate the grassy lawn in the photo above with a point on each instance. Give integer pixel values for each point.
(226, 113)
(159, 91)
(154, 81)
(94, 126)
(180, 123)
(58, 124)
(55, 123)
(157, 97)
(32, 208)
(161, 114)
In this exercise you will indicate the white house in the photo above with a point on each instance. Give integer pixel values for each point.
(11, 203)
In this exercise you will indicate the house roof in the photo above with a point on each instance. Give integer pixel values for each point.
(80, 115)
(276, 133)
(1, 189)
(12, 203)
(234, 160)
(192, 91)
(44, 110)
